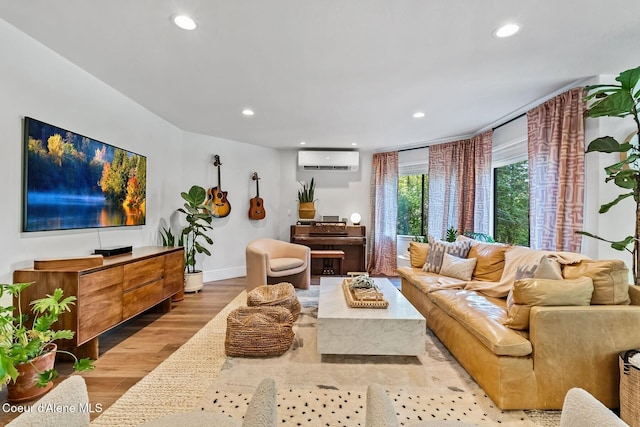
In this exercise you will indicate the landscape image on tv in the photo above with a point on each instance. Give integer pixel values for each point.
(71, 181)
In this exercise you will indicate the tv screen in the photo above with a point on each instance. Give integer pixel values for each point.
(71, 181)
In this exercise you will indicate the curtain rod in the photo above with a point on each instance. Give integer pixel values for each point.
(508, 121)
(413, 148)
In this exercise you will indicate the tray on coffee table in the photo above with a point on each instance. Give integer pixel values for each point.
(363, 298)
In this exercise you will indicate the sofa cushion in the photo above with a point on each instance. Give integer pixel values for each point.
(281, 264)
(427, 282)
(460, 268)
(484, 317)
(610, 279)
(490, 262)
(544, 292)
(418, 254)
(437, 249)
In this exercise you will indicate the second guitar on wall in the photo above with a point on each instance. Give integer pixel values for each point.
(256, 204)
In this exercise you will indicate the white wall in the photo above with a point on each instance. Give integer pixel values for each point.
(337, 192)
(36, 82)
(232, 233)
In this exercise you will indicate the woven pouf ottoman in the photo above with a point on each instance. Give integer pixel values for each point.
(258, 331)
(279, 295)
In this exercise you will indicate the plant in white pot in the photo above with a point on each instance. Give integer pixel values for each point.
(194, 238)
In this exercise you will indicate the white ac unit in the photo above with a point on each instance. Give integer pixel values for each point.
(329, 160)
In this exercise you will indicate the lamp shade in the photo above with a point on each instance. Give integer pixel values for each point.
(355, 218)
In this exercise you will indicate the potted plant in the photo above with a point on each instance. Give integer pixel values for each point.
(169, 240)
(620, 100)
(27, 348)
(194, 237)
(306, 208)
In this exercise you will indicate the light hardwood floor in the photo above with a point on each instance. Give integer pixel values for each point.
(133, 349)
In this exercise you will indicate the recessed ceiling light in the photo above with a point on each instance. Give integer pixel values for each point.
(247, 112)
(302, 143)
(507, 30)
(184, 22)
(354, 143)
(418, 114)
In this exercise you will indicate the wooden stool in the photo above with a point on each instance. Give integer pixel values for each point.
(329, 255)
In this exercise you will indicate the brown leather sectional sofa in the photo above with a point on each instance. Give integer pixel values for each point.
(563, 347)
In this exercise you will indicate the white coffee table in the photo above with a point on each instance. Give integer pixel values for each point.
(397, 330)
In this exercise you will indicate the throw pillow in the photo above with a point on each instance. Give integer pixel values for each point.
(527, 293)
(437, 249)
(418, 254)
(459, 268)
(610, 279)
(548, 269)
(490, 258)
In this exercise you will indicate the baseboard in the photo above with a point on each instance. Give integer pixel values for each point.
(226, 273)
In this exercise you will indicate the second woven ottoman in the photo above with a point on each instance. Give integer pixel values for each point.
(279, 295)
(258, 331)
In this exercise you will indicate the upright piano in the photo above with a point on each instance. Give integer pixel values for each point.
(350, 238)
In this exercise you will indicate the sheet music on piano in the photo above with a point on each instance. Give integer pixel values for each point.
(326, 228)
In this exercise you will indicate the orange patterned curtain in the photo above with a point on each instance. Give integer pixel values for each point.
(556, 172)
(384, 214)
(460, 185)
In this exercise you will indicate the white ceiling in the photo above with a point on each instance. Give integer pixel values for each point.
(335, 72)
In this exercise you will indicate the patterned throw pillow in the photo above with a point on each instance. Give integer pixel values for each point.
(460, 268)
(437, 249)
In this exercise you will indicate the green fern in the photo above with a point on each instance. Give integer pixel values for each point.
(452, 234)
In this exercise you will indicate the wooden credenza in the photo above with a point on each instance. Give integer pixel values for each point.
(108, 294)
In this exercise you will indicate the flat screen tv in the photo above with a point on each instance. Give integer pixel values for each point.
(71, 181)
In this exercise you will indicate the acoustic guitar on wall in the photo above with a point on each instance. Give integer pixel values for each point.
(256, 204)
(217, 202)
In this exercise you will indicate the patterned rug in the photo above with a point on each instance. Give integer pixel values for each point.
(331, 389)
(313, 390)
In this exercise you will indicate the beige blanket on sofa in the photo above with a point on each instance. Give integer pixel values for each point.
(518, 257)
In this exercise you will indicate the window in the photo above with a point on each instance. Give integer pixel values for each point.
(413, 196)
(511, 203)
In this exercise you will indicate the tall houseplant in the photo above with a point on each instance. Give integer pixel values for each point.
(620, 100)
(194, 237)
(27, 343)
(306, 208)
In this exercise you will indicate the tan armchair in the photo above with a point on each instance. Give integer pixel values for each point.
(271, 261)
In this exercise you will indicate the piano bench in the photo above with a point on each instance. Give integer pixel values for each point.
(329, 255)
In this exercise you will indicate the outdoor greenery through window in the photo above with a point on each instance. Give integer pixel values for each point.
(413, 198)
(511, 203)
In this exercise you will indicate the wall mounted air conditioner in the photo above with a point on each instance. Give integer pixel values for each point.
(328, 160)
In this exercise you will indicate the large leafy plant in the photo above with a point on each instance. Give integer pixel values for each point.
(620, 100)
(194, 237)
(22, 338)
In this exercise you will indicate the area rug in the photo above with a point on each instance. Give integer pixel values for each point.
(313, 390)
(330, 390)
